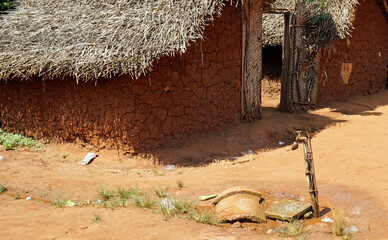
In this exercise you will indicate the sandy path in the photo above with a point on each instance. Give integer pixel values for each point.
(349, 152)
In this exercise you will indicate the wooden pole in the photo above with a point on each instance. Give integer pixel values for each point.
(310, 172)
(285, 86)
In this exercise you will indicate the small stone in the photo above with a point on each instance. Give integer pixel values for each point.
(236, 225)
(308, 215)
(287, 210)
(270, 231)
(28, 198)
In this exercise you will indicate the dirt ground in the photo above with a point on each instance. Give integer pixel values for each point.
(350, 153)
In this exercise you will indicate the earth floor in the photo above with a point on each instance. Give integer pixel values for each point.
(350, 154)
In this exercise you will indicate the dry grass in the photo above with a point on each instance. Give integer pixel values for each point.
(161, 191)
(204, 216)
(295, 230)
(339, 225)
(97, 38)
(324, 26)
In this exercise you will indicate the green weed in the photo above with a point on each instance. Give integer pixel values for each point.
(12, 141)
(60, 202)
(105, 194)
(180, 184)
(161, 191)
(3, 187)
(142, 200)
(96, 218)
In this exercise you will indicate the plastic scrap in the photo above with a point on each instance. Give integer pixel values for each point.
(249, 151)
(282, 143)
(28, 198)
(88, 159)
(169, 167)
(207, 197)
(356, 210)
(167, 204)
(69, 203)
(326, 219)
(352, 229)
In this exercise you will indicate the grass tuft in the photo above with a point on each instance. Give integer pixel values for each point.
(142, 200)
(180, 184)
(114, 203)
(339, 224)
(96, 218)
(161, 191)
(204, 216)
(59, 202)
(182, 205)
(294, 229)
(3, 187)
(105, 194)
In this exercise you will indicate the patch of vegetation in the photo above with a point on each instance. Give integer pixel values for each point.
(142, 200)
(295, 230)
(66, 156)
(204, 216)
(339, 225)
(6, 4)
(105, 194)
(182, 205)
(156, 173)
(3, 187)
(161, 191)
(11, 141)
(60, 202)
(175, 207)
(17, 196)
(180, 184)
(114, 203)
(96, 218)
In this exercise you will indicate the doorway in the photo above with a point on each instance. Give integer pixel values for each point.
(276, 56)
(272, 74)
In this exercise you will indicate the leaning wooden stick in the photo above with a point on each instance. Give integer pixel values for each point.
(310, 171)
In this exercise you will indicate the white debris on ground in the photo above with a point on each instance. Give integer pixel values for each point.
(88, 158)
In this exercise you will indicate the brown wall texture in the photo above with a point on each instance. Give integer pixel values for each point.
(357, 65)
(187, 94)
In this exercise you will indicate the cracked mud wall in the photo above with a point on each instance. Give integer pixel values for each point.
(357, 65)
(192, 93)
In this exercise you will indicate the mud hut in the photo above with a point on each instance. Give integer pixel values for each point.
(330, 51)
(128, 74)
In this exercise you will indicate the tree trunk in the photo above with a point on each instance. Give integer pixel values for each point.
(251, 60)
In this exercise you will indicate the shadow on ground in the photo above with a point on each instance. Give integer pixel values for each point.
(241, 138)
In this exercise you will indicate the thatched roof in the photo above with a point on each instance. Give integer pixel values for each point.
(337, 22)
(88, 39)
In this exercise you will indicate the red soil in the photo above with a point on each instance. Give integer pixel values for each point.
(350, 157)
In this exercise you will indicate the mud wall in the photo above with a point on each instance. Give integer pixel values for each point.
(187, 94)
(357, 65)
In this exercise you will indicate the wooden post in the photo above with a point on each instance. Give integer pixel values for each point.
(252, 60)
(310, 172)
(284, 96)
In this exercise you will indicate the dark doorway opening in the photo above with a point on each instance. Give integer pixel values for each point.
(386, 81)
(272, 74)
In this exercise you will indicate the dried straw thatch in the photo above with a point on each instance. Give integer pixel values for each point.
(336, 23)
(88, 39)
